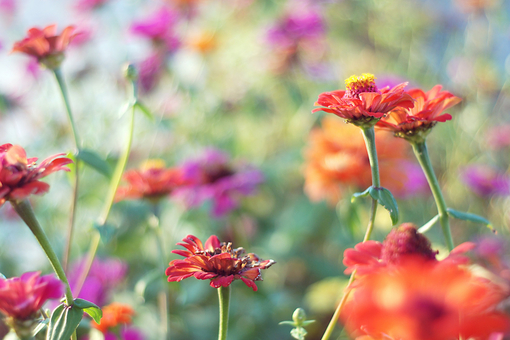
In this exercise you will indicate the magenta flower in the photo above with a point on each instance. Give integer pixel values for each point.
(150, 71)
(89, 5)
(21, 298)
(159, 28)
(486, 181)
(295, 27)
(212, 177)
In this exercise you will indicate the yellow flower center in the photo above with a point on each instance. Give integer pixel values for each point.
(355, 85)
(153, 164)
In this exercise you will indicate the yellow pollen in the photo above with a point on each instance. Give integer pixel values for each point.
(153, 164)
(354, 83)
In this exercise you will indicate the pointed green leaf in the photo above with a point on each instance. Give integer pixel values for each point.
(95, 161)
(40, 326)
(469, 217)
(63, 322)
(145, 110)
(426, 227)
(386, 199)
(90, 308)
(290, 323)
(357, 195)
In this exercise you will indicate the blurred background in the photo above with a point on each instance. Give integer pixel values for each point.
(242, 76)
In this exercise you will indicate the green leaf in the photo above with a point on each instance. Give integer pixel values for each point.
(90, 308)
(2, 276)
(290, 323)
(145, 110)
(386, 199)
(95, 161)
(148, 278)
(40, 326)
(107, 231)
(63, 322)
(426, 227)
(469, 217)
(357, 195)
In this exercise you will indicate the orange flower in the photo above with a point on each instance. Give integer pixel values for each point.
(362, 104)
(114, 314)
(45, 45)
(424, 300)
(414, 124)
(152, 181)
(19, 176)
(336, 156)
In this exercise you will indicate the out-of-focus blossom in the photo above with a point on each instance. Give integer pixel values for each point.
(491, 252)
(475, 6)
(114, 315)
(336, 157)
(160, 29)
(498, 137)
(217, 262)
(203, 42)
(486, 181)
(362, 104)
(188, 8)
(104, 276)
(88, 5)
(21, 299)
(212, 177)
(415, 123)
(19, 176)
(46, 45)
(152, 181)
(150, 71)
(8, 7)
(424, 300)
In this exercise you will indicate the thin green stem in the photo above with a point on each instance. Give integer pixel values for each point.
(369, 136)
(224, 300)
(72, 213)
(421, 153)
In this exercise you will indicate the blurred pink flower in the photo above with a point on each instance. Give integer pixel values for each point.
(295, 27)
(88, 5)
(8, 7)
(159, 28)
(498, 137)
(150, 71)
(486, 181)
(212, 177)
(22, 297)
(126, 333)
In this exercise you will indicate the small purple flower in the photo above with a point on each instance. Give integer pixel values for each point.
(149, 72)
(486, 181)
(295, 27)
(212, 177)
(159, 28)
(103, 278)
(413, 182)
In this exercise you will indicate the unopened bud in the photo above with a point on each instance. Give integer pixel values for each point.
(299, 316)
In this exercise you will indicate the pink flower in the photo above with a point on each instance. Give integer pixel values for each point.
(88, 5)
(22, 297)
(159, 28)
(486, 181)
(19, 176)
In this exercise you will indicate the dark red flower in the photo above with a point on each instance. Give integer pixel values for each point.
(362, 104)
(19, 176)
(216, 261)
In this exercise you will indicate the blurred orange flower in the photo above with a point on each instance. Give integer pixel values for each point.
(46, 45)
(362, 104)
(114, 314)
(424, 300)
(336, 156)
(414, 124)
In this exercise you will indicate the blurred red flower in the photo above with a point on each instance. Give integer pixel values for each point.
(152, 181)
(114, 314)
(217, 261)
(362, 104)
(415, 123)
(19, 176)
(336, 157)
(46, 45)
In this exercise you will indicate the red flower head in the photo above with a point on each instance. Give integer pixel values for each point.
(362, 104)
(217, 261)
(19, 176)
(114, 314)
(45, 45)
(153, 181)
(414, 124)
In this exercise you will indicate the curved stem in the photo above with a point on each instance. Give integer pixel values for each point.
(421, 153)
(224, 300)
(72, 217)
(369, 136)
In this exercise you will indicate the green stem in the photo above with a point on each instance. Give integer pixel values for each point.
(72, 218)
(369, 136)
(26, 213)
(421, 153)
(224, 300)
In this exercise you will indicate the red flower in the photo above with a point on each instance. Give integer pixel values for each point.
(45, 45)
(152, 181)
(217, 261)
(114, 314)
(415, 123)
(362, 103)
(19, 176)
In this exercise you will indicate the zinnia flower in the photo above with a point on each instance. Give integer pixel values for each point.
(212, 177)
(424, 300)
(486, 181)
(153, 181)
(415, 123)
(159, 28)
(216, 261)
(19, 176)
(336, 158)
(362, 104)
(46, 45)
(116, 316)
(21, 299)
